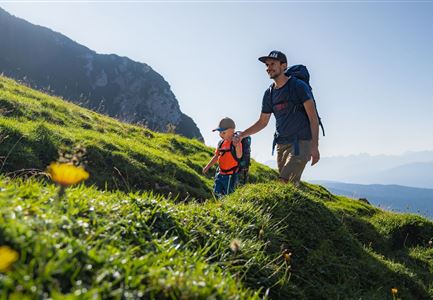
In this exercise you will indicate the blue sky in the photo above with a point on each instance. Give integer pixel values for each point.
(371, 63)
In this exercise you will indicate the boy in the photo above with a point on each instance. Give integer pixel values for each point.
(227, 155)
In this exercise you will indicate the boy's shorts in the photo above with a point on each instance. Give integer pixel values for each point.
(290, 165)
(225, 184)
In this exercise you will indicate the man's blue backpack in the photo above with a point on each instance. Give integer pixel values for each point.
(301, 72)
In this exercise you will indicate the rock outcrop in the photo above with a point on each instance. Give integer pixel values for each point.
(117, 86)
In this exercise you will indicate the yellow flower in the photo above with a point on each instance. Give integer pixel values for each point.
(7, 257)
(394, 291)
(67, 174)
(287, 256)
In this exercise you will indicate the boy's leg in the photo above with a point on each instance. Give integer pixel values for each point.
(218, 187)
(231, 182)
(225, 184)
(292, 166)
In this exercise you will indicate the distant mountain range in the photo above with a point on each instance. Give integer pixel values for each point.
(413, 169)
(117, 86)
(390, 197)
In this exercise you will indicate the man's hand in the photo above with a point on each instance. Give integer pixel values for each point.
(237, 137)
(315, 155)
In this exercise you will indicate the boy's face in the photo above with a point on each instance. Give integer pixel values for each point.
(227, 134)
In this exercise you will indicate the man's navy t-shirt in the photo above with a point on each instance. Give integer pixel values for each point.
(289, 125)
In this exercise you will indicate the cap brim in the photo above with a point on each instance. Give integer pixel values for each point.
(264, 58)
(219, 129)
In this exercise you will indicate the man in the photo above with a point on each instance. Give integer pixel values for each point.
(297, 125)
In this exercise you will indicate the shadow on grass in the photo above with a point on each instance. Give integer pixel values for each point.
(328, 260)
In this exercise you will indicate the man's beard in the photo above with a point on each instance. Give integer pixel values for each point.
(274, 75)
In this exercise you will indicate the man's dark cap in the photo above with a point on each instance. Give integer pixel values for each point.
(278, 55)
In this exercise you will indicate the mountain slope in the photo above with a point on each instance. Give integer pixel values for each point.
(120, 238)
(117, 86)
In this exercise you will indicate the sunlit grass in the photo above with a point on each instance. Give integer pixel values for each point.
(268, 239)
(124, 156)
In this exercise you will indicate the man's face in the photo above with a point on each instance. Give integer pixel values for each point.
(274, 68)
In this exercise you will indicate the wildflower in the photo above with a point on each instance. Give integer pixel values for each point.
(287, 256)
(66, 174)
(235, 245)
(394, 291)
(7, 257)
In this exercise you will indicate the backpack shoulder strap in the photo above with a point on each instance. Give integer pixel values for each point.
(220, 143)
(233, 152)
(270, 90)
(271, 87)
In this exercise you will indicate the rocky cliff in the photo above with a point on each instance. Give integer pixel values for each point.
(117, 86)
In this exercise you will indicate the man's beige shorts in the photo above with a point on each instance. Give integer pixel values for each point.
(289, 165)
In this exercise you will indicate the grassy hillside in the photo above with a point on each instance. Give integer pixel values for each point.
(34, 127)
(100, 245)
(124, 240)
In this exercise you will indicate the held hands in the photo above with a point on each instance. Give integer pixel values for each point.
(237, 137)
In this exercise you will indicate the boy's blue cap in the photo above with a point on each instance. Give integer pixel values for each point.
(225, 124)
(219, 129)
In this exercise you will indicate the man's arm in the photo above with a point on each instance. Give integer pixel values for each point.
(261, 123)
(314, 125)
